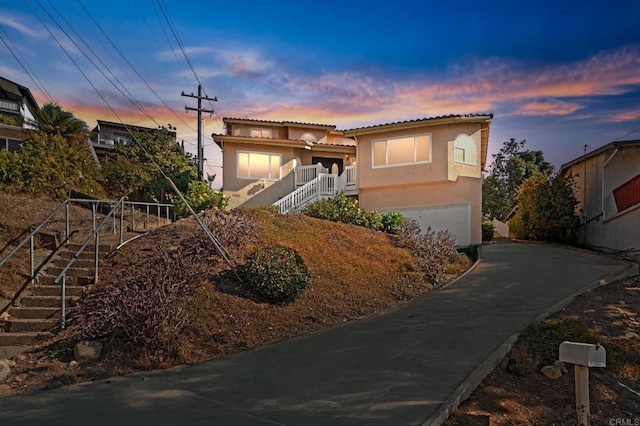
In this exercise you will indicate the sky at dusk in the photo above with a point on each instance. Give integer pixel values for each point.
(559, 74)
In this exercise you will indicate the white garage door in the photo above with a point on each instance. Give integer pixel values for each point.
(456, 218)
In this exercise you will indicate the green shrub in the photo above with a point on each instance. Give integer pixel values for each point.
(487, 231)
(200, 197)
(343, 209)
(391, 221)
(276, 273)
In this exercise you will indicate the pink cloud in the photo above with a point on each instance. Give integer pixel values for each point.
(546, 108)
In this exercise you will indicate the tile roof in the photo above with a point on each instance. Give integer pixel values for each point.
(276, 123)
(420, 120)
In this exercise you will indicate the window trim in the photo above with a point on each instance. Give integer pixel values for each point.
(386, 140)
(270, 154)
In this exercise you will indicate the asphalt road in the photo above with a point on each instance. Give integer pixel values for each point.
(403, 367)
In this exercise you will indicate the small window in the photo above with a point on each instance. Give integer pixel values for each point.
(261, 133)
(13, 144)
(402, 150)
(464, 150)
(628, 194)
(256, 165)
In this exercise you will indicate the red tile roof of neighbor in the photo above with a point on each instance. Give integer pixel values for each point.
(276, 123)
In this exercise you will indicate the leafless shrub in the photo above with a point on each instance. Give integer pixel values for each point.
(433, 251)
(146, 312)
(233, 229)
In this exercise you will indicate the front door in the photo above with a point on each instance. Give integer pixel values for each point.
(329, 163)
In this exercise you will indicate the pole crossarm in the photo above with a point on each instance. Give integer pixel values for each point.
(200, 97)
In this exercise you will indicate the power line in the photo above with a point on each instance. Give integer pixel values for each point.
(131, 66)
(25, 66)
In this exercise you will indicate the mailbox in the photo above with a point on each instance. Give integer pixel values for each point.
(583, 354)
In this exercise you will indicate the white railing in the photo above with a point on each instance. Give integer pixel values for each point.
(350, 174)
(322, 187)
(305, 174)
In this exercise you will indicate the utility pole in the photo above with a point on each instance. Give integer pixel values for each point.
(200, 110)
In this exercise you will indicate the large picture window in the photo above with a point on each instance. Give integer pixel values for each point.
(628, 194)
(257, 165)
(402, 150)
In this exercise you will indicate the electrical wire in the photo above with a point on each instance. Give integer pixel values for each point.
(25, 65)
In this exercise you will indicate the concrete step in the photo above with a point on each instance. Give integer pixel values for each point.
(56, 290)
(43, 301)
(23, 339)
(102, 248)
(47, 280)
(71, 272)
(81, 262)
(85, 255)
(35, 313)
(28, 325)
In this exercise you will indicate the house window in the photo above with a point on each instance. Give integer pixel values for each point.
(628, 194)
(464, 150)
(9, 144)
(257, 165)
(261, 133)
(402, 150)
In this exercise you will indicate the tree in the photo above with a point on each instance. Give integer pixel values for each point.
(511, 166)
(546, 210)
(52, 120)
(131, 169)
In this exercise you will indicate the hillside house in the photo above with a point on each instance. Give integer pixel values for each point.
(427, 169)
(17, 107)
(607, 187)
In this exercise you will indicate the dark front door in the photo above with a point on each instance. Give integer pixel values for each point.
(328, 163)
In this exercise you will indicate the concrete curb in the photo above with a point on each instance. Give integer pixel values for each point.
(462, 392)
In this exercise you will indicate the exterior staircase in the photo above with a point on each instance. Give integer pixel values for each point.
(38, 311)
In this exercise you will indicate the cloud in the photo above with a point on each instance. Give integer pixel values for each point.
(9, 19)
(626, 116)
(549, 108)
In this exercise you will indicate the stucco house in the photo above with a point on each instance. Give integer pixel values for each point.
(17, 106)
(607, 187)
(428, 169)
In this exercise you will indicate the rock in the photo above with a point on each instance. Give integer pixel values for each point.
(73, 364)
(560, 365)
(551, 372)
(87, 350)
(5, 368)
(20, 378)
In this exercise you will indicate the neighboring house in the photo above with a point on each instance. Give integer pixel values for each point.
(104, 136)
(607, 187)
(17, 107)
(427, 169)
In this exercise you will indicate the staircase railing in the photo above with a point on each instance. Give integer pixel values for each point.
(305, 174)
(95, 235)
(323, 186)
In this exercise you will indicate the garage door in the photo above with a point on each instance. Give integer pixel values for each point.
(453, 217)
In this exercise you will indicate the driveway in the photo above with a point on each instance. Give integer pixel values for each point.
(401, 367)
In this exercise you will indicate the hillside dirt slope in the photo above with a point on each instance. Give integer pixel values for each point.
(353, 272)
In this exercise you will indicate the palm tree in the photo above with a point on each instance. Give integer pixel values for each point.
(52, 120)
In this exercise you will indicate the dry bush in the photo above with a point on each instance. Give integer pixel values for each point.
(234, 229)
(146, 310)
(434, 252)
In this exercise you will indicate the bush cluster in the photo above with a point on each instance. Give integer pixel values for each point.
(345, 209)
(276, 273)
(433, 251)
(200, 197)
(146, 312)
(487, 231)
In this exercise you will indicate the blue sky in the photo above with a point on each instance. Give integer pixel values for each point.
(558, 74)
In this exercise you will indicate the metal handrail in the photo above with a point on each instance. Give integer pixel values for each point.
(30, 237)
(96, 236)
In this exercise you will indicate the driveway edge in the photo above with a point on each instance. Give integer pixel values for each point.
(462, 392)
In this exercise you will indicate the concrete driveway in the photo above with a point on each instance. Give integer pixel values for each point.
(407, 366)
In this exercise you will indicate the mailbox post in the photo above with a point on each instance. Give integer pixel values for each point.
(582, 356)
